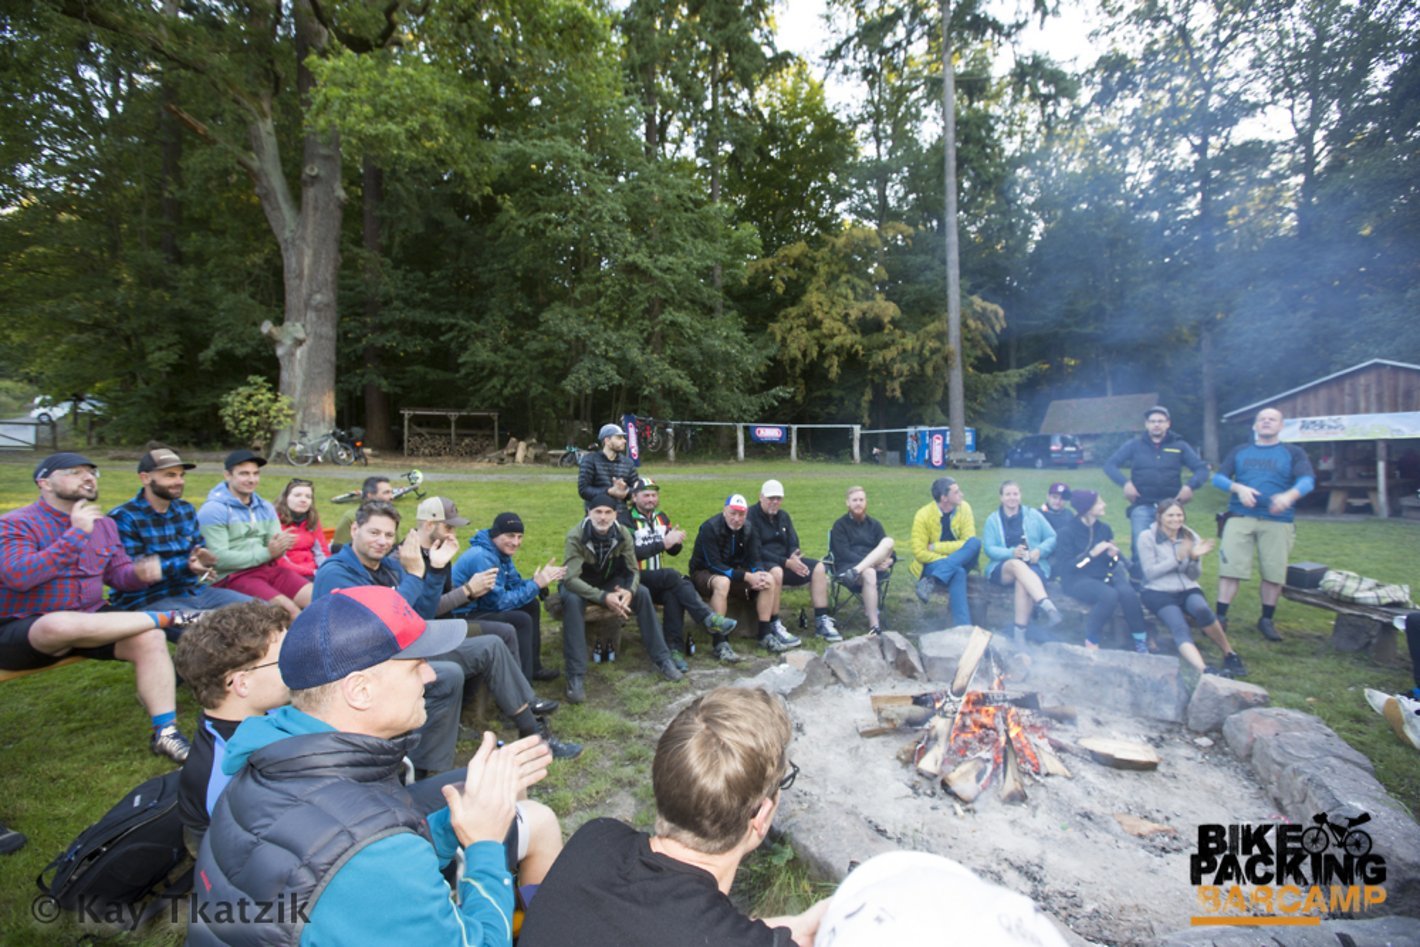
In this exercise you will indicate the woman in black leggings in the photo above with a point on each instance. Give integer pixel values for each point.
(1091, 571)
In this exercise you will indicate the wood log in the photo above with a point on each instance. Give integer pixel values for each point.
(1142, 828)
(975, 648)
(1063, 713)
(969, 778)
(520, 456)
(1121, 754)
(511, 446)
(1049, 762)
(1013, 788)
(935, 741)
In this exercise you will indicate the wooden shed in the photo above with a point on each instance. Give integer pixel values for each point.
(1367, 417)
(1088, 418)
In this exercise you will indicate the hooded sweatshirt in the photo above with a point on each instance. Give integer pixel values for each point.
(236, 532)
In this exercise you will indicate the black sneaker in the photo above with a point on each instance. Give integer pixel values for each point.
(541, 707)
(668, 670)
(1233, 665)
(546, 674)
(561, 749)
(576, 689)
(1269, 630)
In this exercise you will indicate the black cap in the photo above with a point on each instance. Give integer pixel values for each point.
(60, 461)
(160, 458)
(506, 523)
(243, 456)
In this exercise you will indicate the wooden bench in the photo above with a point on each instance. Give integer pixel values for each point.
(16, 675)
(994, 607)
(1356, 627)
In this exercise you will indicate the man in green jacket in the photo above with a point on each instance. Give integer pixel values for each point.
(602, 570)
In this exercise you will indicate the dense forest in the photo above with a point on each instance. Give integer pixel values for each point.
(564, 209)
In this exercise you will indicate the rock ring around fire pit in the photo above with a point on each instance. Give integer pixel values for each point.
(1104, 851)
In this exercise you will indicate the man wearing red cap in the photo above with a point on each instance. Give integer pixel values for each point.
(726, 561)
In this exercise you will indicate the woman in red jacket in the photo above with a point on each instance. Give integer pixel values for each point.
(297, 509)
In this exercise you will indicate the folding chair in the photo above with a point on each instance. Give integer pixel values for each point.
(838, 593)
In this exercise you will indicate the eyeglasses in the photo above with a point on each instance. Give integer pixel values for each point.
(254, 667)
(73, 472)
(789, 778)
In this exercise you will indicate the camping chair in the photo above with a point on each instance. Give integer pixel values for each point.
(838, 593)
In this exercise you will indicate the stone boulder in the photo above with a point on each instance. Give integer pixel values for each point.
(1217, 698)
(901, 656)
(1142, 685)
(858, 662)
(1375, 932)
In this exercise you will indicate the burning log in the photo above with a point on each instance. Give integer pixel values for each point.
(1013, 790)
(975, 649)
(932, 749)
(970, 778)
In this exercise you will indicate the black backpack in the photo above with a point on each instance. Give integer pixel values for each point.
(123, 858)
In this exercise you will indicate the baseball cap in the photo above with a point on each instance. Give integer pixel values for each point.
(902, 897)
(357, 628)
(160, 458)
(1158, 409)
(243, 456)
(60, 461)
(1063, 489)
(506, 523)
(646, 483)
(609, 430)
(440, 510)
(772, 488)
(736, 501)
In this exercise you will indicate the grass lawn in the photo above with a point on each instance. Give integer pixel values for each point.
(73, 740)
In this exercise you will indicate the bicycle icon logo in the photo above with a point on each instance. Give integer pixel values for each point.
(1348, 838)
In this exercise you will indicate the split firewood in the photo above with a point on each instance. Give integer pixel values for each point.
(969, 778)
(1049, 762)
(1142, 828)
(975, 648)
(934, 748)
(1121, 754)
(1013, 788)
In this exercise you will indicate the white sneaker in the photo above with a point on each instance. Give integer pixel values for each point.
(778, 630)
(827, 629)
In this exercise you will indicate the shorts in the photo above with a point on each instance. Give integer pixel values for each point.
(1272, 539)
(17, 654)
(999, 573)
(793, 580)
(700, 578)
(266, 582)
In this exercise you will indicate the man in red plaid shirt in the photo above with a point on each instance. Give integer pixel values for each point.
(56, 555)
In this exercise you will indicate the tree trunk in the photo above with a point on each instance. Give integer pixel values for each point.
(956, 381)
(377, 401)
(170, 134)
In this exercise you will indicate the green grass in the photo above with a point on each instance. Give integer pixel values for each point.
(74, 740)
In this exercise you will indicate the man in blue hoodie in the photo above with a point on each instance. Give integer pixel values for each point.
(345, 855)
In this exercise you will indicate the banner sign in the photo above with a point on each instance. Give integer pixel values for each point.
(768, 434)
(928, 446)
(633, 438)
(1352, 427)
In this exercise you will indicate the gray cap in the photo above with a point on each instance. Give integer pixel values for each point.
(610, 430)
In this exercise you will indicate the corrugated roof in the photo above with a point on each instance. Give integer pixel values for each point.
(1258, 405)
(1098, 415)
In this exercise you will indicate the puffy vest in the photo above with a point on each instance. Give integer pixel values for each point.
(300, 809)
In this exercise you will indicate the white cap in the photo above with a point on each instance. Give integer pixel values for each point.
(912, 897)
(772, 488)
(736, 501)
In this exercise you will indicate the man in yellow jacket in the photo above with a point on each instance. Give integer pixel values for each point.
(945, 546)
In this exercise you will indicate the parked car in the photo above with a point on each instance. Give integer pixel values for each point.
(47, 410)
(1046, 450)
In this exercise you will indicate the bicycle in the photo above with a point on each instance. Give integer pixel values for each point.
(302, 452)
(572, 455)
(1348, 838)
(414, 477)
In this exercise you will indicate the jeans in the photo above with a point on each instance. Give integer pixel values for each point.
(676, 595)
(1105, 597)
(1141, 517)
(574, 629)
(204, 598)
(951, 572)
(527, 623)
(1171, 608)
(456, 678)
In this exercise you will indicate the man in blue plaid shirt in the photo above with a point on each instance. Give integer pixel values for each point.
(159, 522)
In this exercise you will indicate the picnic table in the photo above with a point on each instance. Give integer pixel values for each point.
(1357, 627)
(1347, 490)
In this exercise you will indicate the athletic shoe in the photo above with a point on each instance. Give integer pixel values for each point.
(784, 636)
(576, 689)
(827, 629)
(1141, 645)
(561, 749)
(678, 660)
(668, 670)
(170, 742)
(924, 589)
(1053, 618)
(1233, 665)
(182, 619)
(1269, 630)
(546, 674)
(1400, 711)
(541, 707)
(775, 644)
(726, 654)
(848, 576)
(719, 624)
(10, 840)
(874, 631)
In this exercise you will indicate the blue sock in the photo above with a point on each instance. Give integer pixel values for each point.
(162, 720)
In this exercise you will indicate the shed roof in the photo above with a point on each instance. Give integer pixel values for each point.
(1097, 415)
(1247, 410)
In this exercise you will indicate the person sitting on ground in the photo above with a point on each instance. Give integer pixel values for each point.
(372, 559)
(601, 569)
(1056, 508)
(296, 508)
(779, 549)
(498, 592)
(726, 561)
(55, 557)
(1171, 557)
(655, 538)
(718, 774)
(1018, 542)
(862, 553)
(244, 535)
(350, 846)
(159, 522)
(437, 521)
(607, 470)
(1091, 571)
(901, 898)
(374, 488)
(230, 659)
(945, 547)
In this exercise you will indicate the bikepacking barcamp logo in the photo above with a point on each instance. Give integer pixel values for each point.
(1280, 873)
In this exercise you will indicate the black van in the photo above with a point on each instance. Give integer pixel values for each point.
(1046, 450)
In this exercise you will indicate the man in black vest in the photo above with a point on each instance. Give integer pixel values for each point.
(315, 837)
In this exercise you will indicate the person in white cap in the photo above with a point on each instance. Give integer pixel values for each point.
(608, 470)
(726, 561)
(779, 548)
(912, 897)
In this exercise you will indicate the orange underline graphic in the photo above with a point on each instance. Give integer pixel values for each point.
(1263, 921)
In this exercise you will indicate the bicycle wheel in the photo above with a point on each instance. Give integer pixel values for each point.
(568, 459)
(655, 441)
(350, 497)
(1356, 843)
(1315, 840)
(300, 453)
(342, 454)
